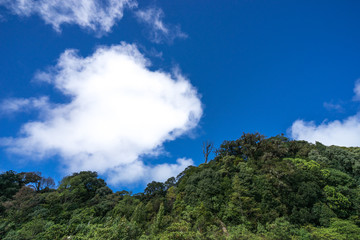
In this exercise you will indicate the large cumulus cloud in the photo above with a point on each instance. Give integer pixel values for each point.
(118, 111)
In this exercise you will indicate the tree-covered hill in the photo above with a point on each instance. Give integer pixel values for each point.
(254, 188)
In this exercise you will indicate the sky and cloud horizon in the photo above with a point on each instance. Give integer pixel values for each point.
(131, 88)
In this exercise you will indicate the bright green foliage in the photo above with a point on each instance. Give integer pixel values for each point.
(338, 230)
(254, 188)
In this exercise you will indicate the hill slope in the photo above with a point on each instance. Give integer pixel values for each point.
(255, 188)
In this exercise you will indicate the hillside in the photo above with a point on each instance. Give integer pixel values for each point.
(254, 188)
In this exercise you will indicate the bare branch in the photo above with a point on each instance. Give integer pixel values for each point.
(207, 148)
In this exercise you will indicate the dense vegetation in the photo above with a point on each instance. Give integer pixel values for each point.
(254, 188)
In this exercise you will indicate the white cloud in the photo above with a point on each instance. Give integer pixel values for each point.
(159, 31)
(119, 111)
(96, 15)
(341, 133)
(137, 171)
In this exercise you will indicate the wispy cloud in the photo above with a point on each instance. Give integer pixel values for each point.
(119, 111)
(357, 91)
(96, 15)
(333, 107)
(344, 132)
(13, 105)
(159, 32)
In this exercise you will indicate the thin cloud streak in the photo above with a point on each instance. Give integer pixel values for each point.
(14, 105)
(333, 107)
(357, 91)
(159, 32)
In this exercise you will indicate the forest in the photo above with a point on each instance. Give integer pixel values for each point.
(253, 188)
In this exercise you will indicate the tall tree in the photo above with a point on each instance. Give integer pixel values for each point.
(207, 148)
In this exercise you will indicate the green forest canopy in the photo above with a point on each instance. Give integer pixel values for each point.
(254, 188)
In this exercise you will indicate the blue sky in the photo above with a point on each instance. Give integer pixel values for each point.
(132, 90)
